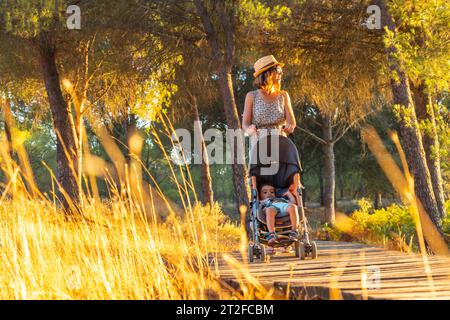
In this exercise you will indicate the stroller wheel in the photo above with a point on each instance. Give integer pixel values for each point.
(262, 254)
(250, 253)
(313, 250)
(300, 250)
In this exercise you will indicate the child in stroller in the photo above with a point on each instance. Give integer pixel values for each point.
(288, 228)
(278, 207)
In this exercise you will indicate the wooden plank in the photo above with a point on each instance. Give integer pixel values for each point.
(385, 271)
(384, 268)
(402, 275)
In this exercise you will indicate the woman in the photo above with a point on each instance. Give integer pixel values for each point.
(268, 107)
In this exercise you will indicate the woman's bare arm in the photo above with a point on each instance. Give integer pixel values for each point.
(290, 118)
(290, 196)
(248, 111)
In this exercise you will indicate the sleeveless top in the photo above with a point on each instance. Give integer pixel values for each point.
(268, 115)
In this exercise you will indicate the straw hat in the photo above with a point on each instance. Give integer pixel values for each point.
(265, 63)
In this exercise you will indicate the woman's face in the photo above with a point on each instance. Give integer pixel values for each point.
(277, 74)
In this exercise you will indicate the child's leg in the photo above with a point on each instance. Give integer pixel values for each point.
(270, 218)
(293, 214)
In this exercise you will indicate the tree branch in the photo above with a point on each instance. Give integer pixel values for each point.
(312, 135)
(351, 125)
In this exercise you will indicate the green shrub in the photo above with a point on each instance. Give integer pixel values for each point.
(446, 222)
(329, 233)
(392, 226)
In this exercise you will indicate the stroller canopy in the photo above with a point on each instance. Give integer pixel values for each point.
(279, 152)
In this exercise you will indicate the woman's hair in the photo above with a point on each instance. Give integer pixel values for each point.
(264, 80)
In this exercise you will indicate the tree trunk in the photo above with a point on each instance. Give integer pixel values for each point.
(377, 201)
(329, 168)
(242, 192)
(207, 190)
(79, 153)
(9, 123)
(412, 142)
(222, 54)
(130, 129)
(63, 125)
(409, 128)
(425, 114)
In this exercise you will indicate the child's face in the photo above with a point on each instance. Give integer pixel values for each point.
(267, 192)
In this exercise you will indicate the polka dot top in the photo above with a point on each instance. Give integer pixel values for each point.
(268, 115)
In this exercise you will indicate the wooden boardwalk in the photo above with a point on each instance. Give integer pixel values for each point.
(352, 271)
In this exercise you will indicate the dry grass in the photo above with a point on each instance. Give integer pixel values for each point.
(134, 246)
(110, 254)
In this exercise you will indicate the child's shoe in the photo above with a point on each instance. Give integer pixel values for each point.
(293, 235)
(271, 238)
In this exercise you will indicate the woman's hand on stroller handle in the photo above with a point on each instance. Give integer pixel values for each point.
(290, 196)
(251, 129)
(288, 128)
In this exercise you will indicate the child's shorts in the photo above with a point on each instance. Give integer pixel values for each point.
(281, 208)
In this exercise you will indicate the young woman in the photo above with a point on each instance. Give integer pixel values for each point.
(268, 107)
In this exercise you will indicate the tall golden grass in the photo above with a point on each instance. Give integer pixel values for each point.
(131, 246)
(108, 254)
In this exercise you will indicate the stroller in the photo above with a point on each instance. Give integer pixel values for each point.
(287, 176)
